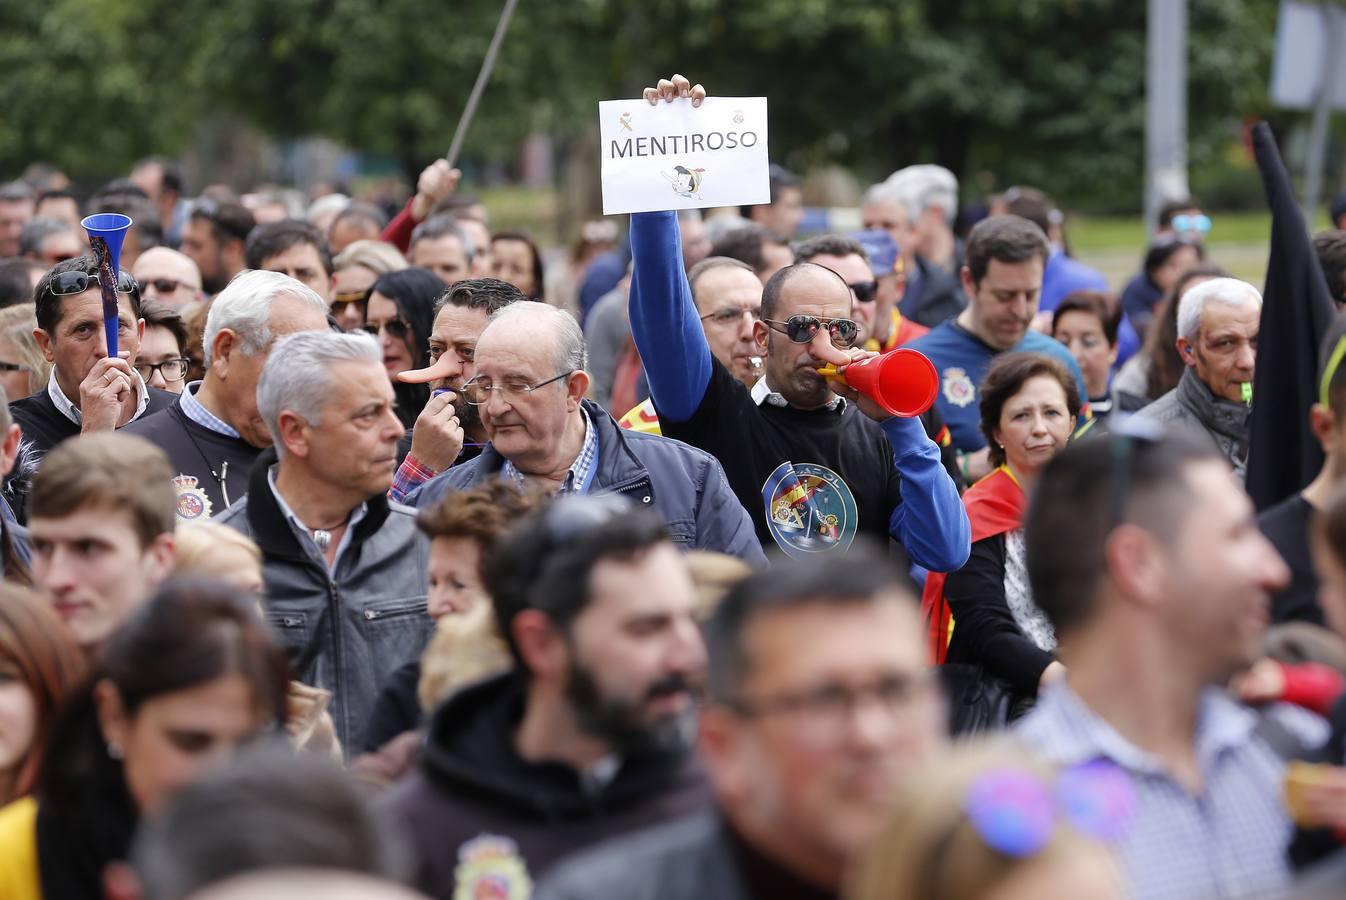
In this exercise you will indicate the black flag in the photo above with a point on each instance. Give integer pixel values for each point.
(1283, 455)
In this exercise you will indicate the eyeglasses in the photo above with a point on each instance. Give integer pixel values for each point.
(1189, 223)
(821, 715)
(67, 283)
(732, 315)
(342, 302)
(168, 285)
(171, 369)
(478, 390)
(801, 329)
(865, 291)
(396, 328)
(1127, 436)
(12, 367)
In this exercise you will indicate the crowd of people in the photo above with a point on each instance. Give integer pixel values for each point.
(382, 560)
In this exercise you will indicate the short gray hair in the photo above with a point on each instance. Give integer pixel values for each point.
(440, 226)
(244, 307)
(1230, 291)
(883, 192)
(296, 378)
(921, 187)
(571, 353)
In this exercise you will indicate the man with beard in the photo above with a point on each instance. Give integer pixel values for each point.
(820, 704)
(449, 430)
(589, 735)
(216, 238)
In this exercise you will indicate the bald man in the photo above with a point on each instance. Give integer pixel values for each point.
(169, 277)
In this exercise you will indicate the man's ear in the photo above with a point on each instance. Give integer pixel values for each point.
(965, 276)
(294, 435)
(719, 743)
(1323, 424)
(1185, 350)
(541, 645)
(44, 343)
(761, 335)
(9, 449)
(221, 352)
(1132, 560)
(159, 558)
(576, 388)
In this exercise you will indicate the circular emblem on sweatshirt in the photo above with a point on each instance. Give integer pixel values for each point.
(958, 387)
(809, 509)
(192, 501)
(490, 868)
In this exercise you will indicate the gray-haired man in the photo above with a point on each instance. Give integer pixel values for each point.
(214, 433)
(345, 570)
(529, 390)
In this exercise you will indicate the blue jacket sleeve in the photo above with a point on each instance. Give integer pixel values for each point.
(930, 522)
(664, 321)
(722, 524)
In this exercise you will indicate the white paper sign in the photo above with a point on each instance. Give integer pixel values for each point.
(672, 156)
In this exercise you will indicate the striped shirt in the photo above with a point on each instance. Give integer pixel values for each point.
(1227, 842)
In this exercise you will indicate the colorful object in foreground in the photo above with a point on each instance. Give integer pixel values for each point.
(106, 233)
(1247, 390)
(1016, 812)
(902, 381)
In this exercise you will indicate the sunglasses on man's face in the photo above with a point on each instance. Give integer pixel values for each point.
(865, 291)
(801, 329)
(67, 283)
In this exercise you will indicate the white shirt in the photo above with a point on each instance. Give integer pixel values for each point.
(71, 412)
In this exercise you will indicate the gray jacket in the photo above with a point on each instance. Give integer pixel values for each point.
(690, 859)
(686, 486)
(1192, 406)
(346, 631)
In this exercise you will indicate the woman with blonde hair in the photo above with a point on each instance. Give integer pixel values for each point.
(23, 368)
(987, 821)
(354, 271)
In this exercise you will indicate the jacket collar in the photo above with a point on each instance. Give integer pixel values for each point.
(1216, 413)
(617, 464)
(272, 531)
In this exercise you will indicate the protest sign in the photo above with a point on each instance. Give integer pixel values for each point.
(672, 156)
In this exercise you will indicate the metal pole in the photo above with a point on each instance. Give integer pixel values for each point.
(483, 76)
(1322, 114)
(1165, 104)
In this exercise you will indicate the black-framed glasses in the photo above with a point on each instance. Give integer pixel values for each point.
(801, 329)
(358, 300)
(12, 367)
(171, 369)
(732, 315)
(1128, 436)
(821, 714)
(397, 328)
(865, 291)
(68, 283)
(479, 390)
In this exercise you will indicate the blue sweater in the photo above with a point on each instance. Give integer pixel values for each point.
(891, 465)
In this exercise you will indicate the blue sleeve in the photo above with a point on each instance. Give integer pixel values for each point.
(664, 321)
(930, 522)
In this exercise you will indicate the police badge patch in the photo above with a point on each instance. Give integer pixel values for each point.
(490, 868)
(192, 501)
(958, 387)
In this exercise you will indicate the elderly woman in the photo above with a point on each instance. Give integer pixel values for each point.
(1029, 405)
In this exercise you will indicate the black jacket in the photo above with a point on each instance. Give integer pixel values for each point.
(346, 630)
(44, 426)
(476, 809)
(938, 296)
(219, 463)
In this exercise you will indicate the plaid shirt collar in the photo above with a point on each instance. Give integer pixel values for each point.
(581, 470)
(192, 409)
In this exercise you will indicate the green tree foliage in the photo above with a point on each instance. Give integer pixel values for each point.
(1048, 92)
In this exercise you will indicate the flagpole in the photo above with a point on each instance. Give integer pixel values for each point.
(483, 76)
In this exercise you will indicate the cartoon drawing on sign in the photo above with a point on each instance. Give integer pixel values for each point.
(686, 182)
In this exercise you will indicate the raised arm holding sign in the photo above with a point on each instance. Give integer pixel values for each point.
(812, 468)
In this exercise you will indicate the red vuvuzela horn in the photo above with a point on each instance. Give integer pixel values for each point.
(902, 381)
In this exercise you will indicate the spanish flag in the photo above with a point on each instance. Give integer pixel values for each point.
(994, 506)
